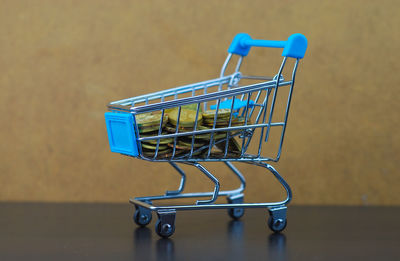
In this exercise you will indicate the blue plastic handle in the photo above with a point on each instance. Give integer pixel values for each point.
(295, 46)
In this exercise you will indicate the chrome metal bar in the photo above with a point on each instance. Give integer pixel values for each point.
(190, 195)
(198, 194)
(205, 103)
(172, 91)
(228, 58)
(252, 77)
(262, 129)
(185, 195)
(239, 63)
(194, 129)
(232, 128)
(138, 201)
(229, 125)
(203, 97)
(159, 133)
(281, 180)
(244, 133)
(184, 101)
(274, 97)
(263, 109)
(255, 102)
(239, 175)
(205, 206)
(181, 185)
(213, 179)
(176, 131)
(287, 109)
(234, 82)
(245, 158)
(213, 128)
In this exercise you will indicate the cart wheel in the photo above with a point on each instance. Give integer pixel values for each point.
(164, 229)
(236, 213)
(142, 218)
(277, 224)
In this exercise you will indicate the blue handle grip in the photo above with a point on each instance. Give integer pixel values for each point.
(295, 46)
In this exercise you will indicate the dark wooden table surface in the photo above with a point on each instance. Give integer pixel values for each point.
(38, 231)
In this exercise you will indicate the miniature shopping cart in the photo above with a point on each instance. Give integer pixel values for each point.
(255, 128)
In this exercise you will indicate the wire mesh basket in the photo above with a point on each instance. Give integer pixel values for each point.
(233, 118)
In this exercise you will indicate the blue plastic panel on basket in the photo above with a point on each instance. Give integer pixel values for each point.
(238, 104)
(121, 134)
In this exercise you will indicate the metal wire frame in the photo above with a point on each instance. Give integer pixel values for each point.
(146, 201)
(268, 85)
(245, 131)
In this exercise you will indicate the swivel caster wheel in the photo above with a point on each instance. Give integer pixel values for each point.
(235, 213)
(164, 230)
(142, 216)
(277, 220)
(165, 225)
(277, 224)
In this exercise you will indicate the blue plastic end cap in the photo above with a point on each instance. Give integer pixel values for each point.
(296, 46)
(237, 47)
(121, 133)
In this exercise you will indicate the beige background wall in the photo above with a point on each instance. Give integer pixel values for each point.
(61, 62)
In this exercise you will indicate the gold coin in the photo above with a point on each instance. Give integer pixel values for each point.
(151, 134)
(240, 121)
(210, 114)
(187, 117)
(154, 147)
(172, 129)
(151, 128)
(162, 141)
(221, 119)
(192, 107)
(150, 119)
(148, 134)
(211, 120)
(218, 124)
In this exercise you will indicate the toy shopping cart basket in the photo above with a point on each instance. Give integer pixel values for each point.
(227, 119)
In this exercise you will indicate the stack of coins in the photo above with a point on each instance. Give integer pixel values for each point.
(222, 117)
(187, 122)
(222, 120)
(187, 117)
(149, 124)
